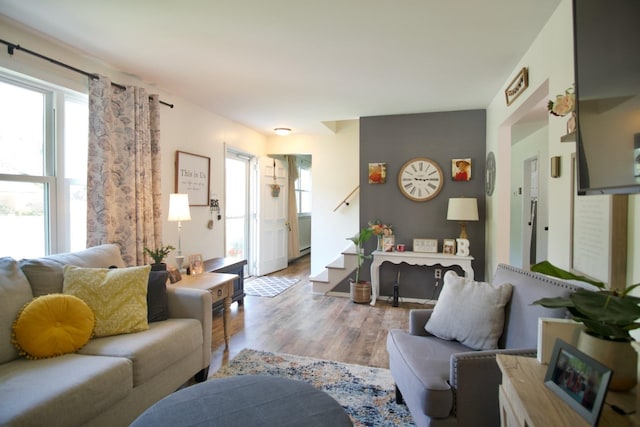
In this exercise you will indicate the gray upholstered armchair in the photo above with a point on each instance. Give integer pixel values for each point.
(445, 382)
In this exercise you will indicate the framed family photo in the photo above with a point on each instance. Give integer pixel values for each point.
(449, 246)
(579, 380)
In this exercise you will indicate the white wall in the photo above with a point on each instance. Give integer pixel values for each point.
(550, 64)
(187, 127)
(334, 174)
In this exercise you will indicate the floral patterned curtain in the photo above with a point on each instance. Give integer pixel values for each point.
(123, 182)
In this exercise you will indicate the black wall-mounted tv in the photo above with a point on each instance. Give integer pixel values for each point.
(607, 76)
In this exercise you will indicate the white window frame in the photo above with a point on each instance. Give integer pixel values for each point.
(56, 187)
(300, 165)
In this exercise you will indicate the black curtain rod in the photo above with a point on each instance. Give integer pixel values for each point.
(11, 47)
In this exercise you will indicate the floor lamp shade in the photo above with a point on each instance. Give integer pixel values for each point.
(463, 209)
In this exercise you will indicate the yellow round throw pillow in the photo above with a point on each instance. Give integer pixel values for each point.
(53, 325)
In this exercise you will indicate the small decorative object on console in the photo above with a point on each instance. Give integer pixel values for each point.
(425, 245)
(449, 246)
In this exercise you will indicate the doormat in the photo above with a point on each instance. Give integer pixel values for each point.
(267, 286)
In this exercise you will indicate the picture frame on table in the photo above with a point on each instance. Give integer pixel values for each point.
(425, 245)
(449, 246)
(388, 243)
(578, 379)
(174, 274)
(196, 264)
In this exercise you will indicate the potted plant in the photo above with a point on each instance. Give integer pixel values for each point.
(608, 316)
(158, 255)
(360, 290)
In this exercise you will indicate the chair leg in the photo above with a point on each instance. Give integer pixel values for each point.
(399, 399)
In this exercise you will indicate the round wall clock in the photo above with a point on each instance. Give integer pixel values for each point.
(490, 181)
(420, 179)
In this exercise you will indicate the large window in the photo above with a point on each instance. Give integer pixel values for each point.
(43, 168)
(303, 185)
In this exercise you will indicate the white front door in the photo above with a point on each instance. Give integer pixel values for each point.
(272, 216)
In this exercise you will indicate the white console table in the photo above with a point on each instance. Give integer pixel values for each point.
(415, 258)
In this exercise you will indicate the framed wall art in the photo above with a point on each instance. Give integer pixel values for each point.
(461, 169)
(377, 173)
(577, 379)
(192, 177)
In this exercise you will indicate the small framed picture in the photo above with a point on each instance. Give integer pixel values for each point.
(388, 243)
(461, 169)
(425, 245)
(449, 246)
(196, 264)
(579, 380)
(174, 274)
(377, 173)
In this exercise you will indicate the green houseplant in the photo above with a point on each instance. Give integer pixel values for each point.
(360, 291)
(359, 239)
(606, 314)
(608, 317)
(158, 255)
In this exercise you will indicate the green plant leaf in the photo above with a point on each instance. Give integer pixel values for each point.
(545, 267)
(558, 302)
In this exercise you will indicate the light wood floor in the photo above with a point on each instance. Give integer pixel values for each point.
(297, 322)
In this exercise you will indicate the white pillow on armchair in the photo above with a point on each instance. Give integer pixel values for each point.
(470, 312)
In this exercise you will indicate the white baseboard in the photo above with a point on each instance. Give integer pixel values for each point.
(385, 298)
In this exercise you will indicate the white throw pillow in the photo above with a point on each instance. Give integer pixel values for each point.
(470, 312)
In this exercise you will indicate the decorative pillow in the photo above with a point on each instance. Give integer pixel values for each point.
(117, 297)
(46, 274)
(52, 325)
(157, 304)
(15, 293)
(470, 312)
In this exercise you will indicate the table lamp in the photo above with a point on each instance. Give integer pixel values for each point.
(179, 211)
(463, 209)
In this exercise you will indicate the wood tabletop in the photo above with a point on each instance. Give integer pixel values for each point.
(205, 281)
(524, 377)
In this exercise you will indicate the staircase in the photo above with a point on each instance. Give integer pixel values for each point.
(335, 272)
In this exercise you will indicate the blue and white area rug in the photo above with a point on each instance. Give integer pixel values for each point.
(267, 286)
(367, 394)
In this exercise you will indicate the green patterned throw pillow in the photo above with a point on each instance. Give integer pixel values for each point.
(117, 297)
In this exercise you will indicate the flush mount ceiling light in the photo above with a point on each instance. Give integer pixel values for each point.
(282, 131)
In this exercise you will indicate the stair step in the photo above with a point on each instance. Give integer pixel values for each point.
(337, 263)
(322, 277)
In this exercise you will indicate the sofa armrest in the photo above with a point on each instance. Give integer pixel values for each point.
(417, 319)
(475, 376)
(192, 303)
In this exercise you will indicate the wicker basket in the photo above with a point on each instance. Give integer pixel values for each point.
(360, 292)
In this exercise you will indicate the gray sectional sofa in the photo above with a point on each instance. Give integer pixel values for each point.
(446, 383)
(112, 379)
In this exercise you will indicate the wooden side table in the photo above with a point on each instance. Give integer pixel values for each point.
(526, 401)
(220, 286)
(232, 266)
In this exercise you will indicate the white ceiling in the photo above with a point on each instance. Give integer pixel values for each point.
(299, 63)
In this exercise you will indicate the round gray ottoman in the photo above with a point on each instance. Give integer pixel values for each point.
(246, 400)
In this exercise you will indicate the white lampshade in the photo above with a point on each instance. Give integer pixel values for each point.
(179, 207)
(463, 209)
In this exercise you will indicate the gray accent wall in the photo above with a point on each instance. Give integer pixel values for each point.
(440, 136)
